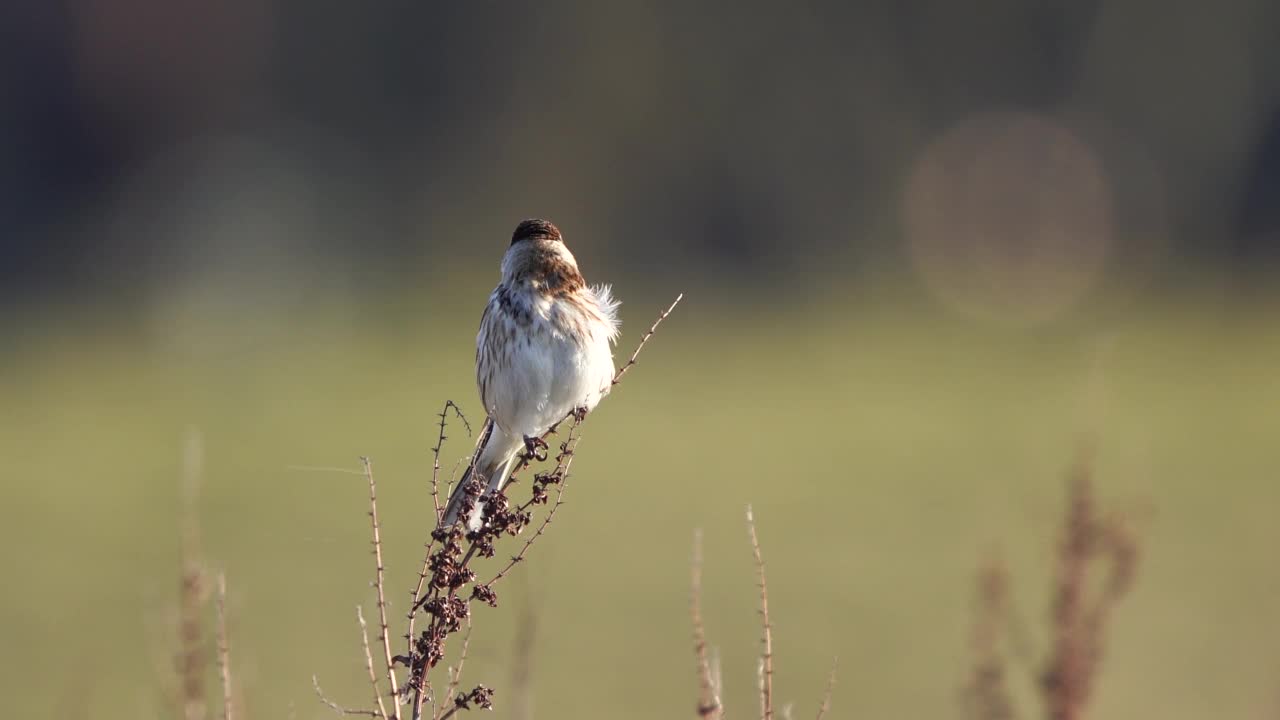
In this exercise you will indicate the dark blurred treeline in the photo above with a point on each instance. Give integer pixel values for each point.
(141, 137)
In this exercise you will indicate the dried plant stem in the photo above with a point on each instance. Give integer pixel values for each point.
(424, 572)
(987, 693)
(1066, 678)
(652, 329)
(384, 633)
(455, 673)
(1078, 613)
(315, 683)
(435, 452)
(449, 713)
(562, 467)
(766, 658)
(224, 648)
(368, 663)
(708, 692)
(1079, 623)
(191, 658)
(717, 679)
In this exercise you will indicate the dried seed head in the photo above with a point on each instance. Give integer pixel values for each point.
(485, 594)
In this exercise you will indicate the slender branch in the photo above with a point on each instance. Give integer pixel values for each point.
(224, 647)
(652, 329)
(764, 705)
(368, 662)
(766, 659)
(455, 673)
(708, 694)
(831, 685)
(192, 591)
(542, 527)
(717, 679)
(562, 467)
(435, 452)
(424, 572)
(385, 635)
(987, 693)
(315, 682)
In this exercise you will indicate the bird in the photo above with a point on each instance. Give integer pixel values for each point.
(543, 351)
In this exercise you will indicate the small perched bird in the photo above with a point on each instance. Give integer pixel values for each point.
(543, 351)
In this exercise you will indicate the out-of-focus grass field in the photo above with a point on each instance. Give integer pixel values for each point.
(887, 446)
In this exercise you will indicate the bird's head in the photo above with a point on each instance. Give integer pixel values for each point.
(539, 259)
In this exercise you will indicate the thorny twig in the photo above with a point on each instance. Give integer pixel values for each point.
(191, 659)
(435, 454)
(315, 683)
(481, 696)
(1079, 623)
(224, 647)
(710, 685)
(708, 692)
(766, 658)
(423, 574)
(1078, 615)
(564, 460)
(384, 633)
(617, 378)
(987, 694)
(455, 673)
(368, 663)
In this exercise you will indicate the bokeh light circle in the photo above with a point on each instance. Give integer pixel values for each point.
(1008, 218)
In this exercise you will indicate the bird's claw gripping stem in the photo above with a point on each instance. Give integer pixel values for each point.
(535, 448)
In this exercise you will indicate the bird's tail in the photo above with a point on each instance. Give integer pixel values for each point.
(491, 466)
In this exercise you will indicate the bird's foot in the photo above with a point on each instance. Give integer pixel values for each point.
(535, 448)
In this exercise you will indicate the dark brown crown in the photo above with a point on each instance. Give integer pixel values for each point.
(535, 229)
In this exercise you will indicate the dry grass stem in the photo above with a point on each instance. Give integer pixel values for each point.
(421, 693)
(710, 684)
(717, 678)
(708, 692)
(315, 683)
(191, 658)
(383, 632)
(766, 658)
(368, 663)
(987, 695)
(1079, 622)
(455, 672)
(1092, 545)
(617, 378)
(563, 466)
(224, 648)
(435, 452)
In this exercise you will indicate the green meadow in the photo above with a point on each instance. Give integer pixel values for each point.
(887, 445)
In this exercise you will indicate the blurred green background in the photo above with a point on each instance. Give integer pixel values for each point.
(887, 448)
(929, 253)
